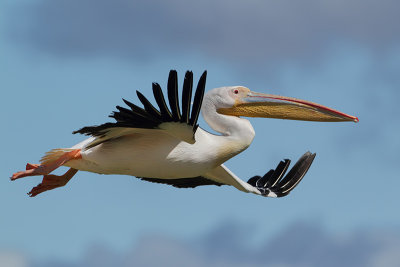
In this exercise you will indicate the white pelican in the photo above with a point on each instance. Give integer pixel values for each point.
(167, 146)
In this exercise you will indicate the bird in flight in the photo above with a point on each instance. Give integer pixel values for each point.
(165, 144)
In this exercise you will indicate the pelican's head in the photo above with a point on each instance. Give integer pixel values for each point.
(240, 101)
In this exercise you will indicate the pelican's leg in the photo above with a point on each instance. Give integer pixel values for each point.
(30, 166)
(50, 182)
(43, 169)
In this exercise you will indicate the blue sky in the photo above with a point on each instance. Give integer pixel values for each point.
(66, 64)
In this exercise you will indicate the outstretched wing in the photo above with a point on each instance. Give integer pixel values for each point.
(273, 183)
(182, 125)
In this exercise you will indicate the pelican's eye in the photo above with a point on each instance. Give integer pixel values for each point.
(236, 91)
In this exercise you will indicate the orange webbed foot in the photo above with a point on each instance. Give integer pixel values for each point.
(50, 182)
(44, 169)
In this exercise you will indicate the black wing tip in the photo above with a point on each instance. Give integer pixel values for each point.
(172, 76)
(172, 71)
(187, 97)
(150, 117)
(189, 77)
(139, 94)
(83, 130)
(203, 77)
(172, 88)
(272, 184)
(198, 99)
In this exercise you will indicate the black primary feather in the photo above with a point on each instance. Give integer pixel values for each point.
(273, 182)
(198, 99)
(148, 106)
(187, 96)
(159, 97)
(149, 117)
(173, 95)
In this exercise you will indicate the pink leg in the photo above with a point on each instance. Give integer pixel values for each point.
(50, 182)
(35, 169)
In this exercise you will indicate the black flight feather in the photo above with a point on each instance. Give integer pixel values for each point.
(135, 110)
(278, 173)
(198, 99)
(187, 96)
(263, 180)
(273, 182)
(149, 117)
(159, 97)
(148, 106)
(173, 95)
(298, 173)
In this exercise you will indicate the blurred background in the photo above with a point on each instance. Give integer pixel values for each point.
(65, 64)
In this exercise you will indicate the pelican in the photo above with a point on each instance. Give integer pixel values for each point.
(165, 145)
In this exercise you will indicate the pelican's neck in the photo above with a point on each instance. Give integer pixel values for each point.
(233, 127)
